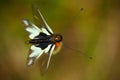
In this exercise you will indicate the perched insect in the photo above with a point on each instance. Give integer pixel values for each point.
(43, 41)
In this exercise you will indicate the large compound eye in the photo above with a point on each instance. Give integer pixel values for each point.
(58, 38)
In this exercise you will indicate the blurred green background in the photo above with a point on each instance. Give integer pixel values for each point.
(95, 31)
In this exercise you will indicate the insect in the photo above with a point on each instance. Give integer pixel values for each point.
(43, 41)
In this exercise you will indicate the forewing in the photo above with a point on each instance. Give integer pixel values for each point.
(35, 53)
(32, 29)
(40, 21)
(45, 60)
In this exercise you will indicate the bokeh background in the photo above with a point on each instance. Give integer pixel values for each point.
(91, 26)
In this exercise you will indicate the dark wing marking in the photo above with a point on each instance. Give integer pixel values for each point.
(45, 60)
(42, 36)
(40, 21)
(43, 45)
(32, 29)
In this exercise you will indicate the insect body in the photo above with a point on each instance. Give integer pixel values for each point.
(43, 41)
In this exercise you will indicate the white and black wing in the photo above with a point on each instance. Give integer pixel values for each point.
(40, 21)
(32, 31)
(31, 28)
(34, 54)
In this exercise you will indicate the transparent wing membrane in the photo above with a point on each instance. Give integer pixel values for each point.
(39, 19)
(45, 60)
